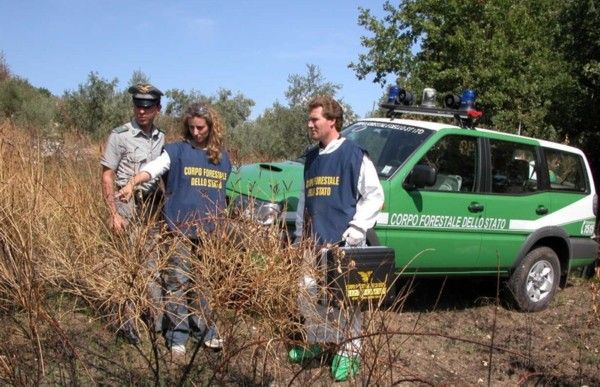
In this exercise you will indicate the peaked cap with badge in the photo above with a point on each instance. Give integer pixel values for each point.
(145, 95)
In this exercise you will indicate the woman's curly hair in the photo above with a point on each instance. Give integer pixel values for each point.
(215, 126)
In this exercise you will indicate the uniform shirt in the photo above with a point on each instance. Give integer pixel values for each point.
(195, 187)
(370, 194)
(128, 149)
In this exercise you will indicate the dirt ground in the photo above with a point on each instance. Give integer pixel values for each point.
(462, 337)
(446, 333)
(453, 333)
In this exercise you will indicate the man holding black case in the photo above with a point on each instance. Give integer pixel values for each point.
(340, 201)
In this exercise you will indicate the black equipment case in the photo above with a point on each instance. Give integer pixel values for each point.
(362, 275)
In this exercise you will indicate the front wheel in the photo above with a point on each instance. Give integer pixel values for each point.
(534, 282)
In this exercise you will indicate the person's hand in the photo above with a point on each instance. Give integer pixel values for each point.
(117, 223)
(353, 236)
(126, 192)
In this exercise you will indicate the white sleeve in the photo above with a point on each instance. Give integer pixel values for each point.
(300, 214)
(158, 166)
(371, 197)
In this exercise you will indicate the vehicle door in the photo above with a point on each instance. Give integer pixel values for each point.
(514, 201)
(433, 228)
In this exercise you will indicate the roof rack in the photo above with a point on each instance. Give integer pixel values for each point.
(465, 118)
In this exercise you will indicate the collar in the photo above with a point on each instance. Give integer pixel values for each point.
(136, 130)
(332, 146)
(193, 144)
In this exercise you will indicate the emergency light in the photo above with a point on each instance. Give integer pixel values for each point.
(393, 92)
(428, 99)
(399, 96)
(465, 101)
(460, 107)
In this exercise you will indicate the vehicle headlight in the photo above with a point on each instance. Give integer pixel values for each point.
(265, 213)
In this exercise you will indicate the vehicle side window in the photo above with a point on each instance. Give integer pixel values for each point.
(565, 171)
(514, 167)
(455, 159)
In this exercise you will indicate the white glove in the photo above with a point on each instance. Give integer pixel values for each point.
(353, 236)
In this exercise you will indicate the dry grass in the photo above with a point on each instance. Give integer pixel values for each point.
(55, 242)
(67, 284)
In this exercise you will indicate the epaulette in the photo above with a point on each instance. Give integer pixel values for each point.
(121, 129)
(160, 130)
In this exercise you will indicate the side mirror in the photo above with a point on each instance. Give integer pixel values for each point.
(420, 176)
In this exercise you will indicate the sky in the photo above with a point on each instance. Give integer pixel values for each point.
(248, 47)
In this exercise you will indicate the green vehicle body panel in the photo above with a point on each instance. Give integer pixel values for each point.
(561, 200)
(503, 245)
(271, 182)
(438, 232)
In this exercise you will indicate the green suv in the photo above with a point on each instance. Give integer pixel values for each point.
(460, 201)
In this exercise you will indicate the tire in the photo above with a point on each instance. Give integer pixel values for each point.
(534, 282)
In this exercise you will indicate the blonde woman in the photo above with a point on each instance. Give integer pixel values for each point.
(197, 168)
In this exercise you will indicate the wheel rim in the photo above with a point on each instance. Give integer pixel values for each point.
(540, 281)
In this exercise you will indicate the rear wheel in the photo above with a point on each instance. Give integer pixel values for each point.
(534, 282)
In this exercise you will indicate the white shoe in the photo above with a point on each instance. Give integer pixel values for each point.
(214, 343)
(178, 350)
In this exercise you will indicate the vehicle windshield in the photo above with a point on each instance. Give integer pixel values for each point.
(389, 144)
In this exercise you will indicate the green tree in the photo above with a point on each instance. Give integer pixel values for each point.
(23, 103)
(280, 131)
(138, 76)
(502, 48)
(302, 88)
(577, 104)
(234, 109)
(4, 69)
(96, 107)
(179, 99)
(27, 105)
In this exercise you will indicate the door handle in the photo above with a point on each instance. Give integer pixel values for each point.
(475, 207)
(541, 210)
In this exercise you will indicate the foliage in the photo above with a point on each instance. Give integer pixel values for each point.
(579, 41)
(180, 99)
(4, 69)
(96, 107)
(302, 88)
(138, 76)
(234, 109)
(501, 48)
(280, 131)
(26, 105)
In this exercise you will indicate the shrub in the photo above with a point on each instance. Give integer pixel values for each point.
(27, 105)
(96, 107)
